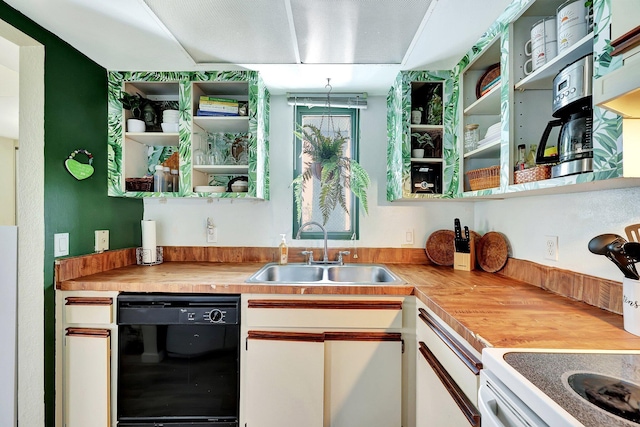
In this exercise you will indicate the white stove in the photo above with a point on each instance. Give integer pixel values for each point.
(558, 388)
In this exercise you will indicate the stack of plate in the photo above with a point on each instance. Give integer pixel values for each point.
(493, 134)
(170, 121)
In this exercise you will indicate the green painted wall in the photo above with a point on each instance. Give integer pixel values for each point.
(75, 118)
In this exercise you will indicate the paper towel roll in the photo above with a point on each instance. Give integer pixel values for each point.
(148, 242)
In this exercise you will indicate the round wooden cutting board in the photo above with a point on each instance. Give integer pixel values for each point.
(492, 252)
(440, 246)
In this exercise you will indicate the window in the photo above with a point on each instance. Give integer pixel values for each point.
(340, 224)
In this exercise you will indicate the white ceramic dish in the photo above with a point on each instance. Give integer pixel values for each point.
(209, 189)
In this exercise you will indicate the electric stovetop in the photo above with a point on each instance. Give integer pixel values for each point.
(597, 389)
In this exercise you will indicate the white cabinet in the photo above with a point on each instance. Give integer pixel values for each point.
(305, 363)
(284, 380)
(447, 375)
(86, 333)
(87, 377)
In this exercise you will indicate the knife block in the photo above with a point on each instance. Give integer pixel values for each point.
(463, 261)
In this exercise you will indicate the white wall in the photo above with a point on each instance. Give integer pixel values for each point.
(8, 178)
(574, 218)
(259, 223)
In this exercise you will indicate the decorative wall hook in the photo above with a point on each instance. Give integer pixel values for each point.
(79, 170)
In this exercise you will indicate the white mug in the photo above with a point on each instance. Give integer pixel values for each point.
(571, 13)
(527, 67)
(570, 36)
(543, 54)
(527, 48)
(543, 32)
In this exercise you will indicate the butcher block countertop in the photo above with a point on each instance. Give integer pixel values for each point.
(488, 310)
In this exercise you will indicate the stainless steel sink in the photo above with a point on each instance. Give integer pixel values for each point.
(325, 274)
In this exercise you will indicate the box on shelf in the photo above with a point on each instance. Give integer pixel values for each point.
(479, 179)
(537, 173)
(139, 184)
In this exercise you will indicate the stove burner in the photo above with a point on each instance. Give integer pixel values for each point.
(615, 396)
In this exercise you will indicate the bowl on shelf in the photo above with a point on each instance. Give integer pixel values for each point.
(169, 127)
(240, 187)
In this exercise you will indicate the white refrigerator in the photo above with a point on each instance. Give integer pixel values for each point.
(8, 324)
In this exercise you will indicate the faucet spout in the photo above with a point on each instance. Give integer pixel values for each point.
(325, 256)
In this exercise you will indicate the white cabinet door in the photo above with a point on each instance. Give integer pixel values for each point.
(88, 377)
(363, 380)
(284, 382)
(439, 400)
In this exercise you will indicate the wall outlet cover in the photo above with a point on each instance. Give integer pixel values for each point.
(102, 240)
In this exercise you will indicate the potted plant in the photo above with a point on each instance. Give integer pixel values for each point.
(336, 172)
(135, 104)
(422, 140)
(416, 116)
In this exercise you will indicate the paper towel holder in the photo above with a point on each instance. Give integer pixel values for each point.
(140, 257)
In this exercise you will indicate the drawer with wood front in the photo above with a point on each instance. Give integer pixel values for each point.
(324, 312)
(88, 310)
(458, 360)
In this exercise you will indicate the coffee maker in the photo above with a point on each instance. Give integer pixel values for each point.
(572, 107)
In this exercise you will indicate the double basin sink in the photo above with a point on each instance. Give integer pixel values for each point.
(330, 274)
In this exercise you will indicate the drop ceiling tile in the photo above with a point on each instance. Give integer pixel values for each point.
(229, 31)
(356, 31)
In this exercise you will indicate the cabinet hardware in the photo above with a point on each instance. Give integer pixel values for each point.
(468, 409)
(472, 362)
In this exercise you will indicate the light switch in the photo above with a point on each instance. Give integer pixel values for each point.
(60, 244)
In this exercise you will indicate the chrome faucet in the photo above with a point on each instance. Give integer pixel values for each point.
(325, 256)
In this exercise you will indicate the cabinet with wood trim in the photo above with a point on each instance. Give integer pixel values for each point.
(86, 332)
(447, 375)
(322, 361)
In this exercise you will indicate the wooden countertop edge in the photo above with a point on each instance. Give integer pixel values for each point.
(436, 287)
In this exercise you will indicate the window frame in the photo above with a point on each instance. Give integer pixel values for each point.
(314, 233)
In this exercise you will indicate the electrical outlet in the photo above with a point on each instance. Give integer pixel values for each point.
(212, 231)
(102, 240)
(60, 244)
(551, 248)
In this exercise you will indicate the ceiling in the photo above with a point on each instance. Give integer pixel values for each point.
(361, 45)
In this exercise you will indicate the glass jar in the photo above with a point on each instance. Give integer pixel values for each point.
(471, 137)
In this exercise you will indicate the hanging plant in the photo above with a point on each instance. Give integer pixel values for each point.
(336, 172)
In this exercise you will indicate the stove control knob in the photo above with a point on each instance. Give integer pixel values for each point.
(216, 316)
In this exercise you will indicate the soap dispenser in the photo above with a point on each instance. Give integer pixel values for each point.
(284, 251)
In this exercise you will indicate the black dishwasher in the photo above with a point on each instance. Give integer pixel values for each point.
(178, 360)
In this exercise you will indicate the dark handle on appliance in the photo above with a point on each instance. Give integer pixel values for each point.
(540, 158)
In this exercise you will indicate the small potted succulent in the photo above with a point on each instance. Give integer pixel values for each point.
(422, 140)
(135, 104)
(416, 116)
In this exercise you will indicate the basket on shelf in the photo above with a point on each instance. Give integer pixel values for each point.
(537, 173)
(139, 184)
(479, 179)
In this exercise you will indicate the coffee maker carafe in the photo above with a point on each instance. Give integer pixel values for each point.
(572, 107)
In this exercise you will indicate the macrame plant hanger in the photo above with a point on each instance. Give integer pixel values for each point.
(331, 131)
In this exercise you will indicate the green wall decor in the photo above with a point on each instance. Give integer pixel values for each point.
(79, 170)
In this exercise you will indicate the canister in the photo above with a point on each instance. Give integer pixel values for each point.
(471, 137)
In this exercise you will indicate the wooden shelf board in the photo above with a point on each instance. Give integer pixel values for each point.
(426, 160)
(231, 124)
(542, 78)
(222, 169)
(489, 150)
(489, 104)
(166, 139)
